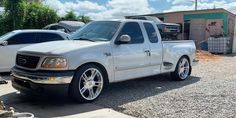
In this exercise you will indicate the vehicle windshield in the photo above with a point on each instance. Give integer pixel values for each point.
(97, 31)
(5, 36)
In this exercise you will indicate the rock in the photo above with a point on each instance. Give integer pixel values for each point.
(2, 81)
(2, 107)
(5, 114)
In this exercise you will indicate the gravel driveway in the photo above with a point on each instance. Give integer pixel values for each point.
(210, 92)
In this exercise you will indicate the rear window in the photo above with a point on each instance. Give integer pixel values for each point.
(23, 38)
(45, 37)
(151, 32)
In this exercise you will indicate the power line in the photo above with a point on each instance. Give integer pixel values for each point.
(196, 4)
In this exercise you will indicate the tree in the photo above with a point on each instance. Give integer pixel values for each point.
(14, 14)
(1, 3)
(2, 26)
(38, 16)
(70, 15)
(84, 18)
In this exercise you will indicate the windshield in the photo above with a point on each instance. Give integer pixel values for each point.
(97, 31)
(5, 36)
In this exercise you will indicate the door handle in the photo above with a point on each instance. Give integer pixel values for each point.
(148, 52)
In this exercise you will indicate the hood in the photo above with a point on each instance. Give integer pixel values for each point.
(59, 47)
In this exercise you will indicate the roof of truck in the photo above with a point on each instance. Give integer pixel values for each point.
(127, 20)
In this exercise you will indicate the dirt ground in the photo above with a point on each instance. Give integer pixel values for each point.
(206, 56)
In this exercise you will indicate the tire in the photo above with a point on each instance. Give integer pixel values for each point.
(183, 70)
(85, 86)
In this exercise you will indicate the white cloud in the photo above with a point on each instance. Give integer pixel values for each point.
(120, 8)
(204, 4)
(78, 6)
(112, 9)
(182, 1)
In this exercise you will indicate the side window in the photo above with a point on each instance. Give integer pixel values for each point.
(151, 32)
(53, 28)
(45, 37)
(23, 38)
(134, 31)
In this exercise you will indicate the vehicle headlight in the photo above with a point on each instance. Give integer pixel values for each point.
(54, 63)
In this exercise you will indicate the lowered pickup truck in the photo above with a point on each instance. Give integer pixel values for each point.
(100, 53)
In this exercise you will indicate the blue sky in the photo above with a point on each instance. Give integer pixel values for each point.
(105, 9)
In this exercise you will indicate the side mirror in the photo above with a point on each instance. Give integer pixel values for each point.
(4, 43)
(123, 39)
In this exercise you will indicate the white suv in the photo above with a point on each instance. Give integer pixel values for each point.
(12, 41)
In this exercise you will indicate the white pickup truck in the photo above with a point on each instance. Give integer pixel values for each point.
(100, 53)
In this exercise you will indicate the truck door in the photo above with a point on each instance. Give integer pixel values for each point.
(155, 46)
(130, 59)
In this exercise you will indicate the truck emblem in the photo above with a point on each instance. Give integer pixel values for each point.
(22, 61)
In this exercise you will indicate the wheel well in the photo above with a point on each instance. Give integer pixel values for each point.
(100, 66)
(186, 57)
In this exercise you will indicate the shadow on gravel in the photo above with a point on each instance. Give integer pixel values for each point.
(42, 106)
(46, 107)
(115, 95)
(129, 91)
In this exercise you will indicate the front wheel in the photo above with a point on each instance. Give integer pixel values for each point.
(182, 70)
(87, 84)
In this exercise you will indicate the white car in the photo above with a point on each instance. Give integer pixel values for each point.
(11, 42)
(102, 52)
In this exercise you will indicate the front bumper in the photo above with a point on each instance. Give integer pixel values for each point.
(43, 77)
(41, 81)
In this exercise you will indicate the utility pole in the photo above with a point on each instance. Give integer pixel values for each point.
(195, 4)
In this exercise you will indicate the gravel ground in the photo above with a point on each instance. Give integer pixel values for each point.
(210, 92)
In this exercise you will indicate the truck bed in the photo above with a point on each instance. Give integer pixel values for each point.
(173, 49)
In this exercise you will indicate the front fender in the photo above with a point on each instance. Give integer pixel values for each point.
(101, 55)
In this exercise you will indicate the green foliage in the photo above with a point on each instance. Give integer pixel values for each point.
(70, 15)
(84, 18)
(22, 14)
(14, 14)
(2, 26)
(38, 16)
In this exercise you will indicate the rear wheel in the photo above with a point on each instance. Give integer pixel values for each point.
(182, 70)
(87, 83)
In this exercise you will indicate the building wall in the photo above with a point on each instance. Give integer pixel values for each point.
(207, 22)
(214, 27)
(219, 15)
(231, 21)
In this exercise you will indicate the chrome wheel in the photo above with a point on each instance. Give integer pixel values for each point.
(184, 68)
(91, 84)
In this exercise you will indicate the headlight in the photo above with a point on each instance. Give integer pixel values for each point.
(54, 63)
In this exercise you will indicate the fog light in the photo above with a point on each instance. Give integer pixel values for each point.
(52, 78)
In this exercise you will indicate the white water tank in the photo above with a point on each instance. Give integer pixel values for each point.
(219, 45)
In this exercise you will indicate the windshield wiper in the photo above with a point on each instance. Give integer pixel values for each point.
(81, 38)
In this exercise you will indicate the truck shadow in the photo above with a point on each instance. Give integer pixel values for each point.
(129, 91)
(113, 97)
